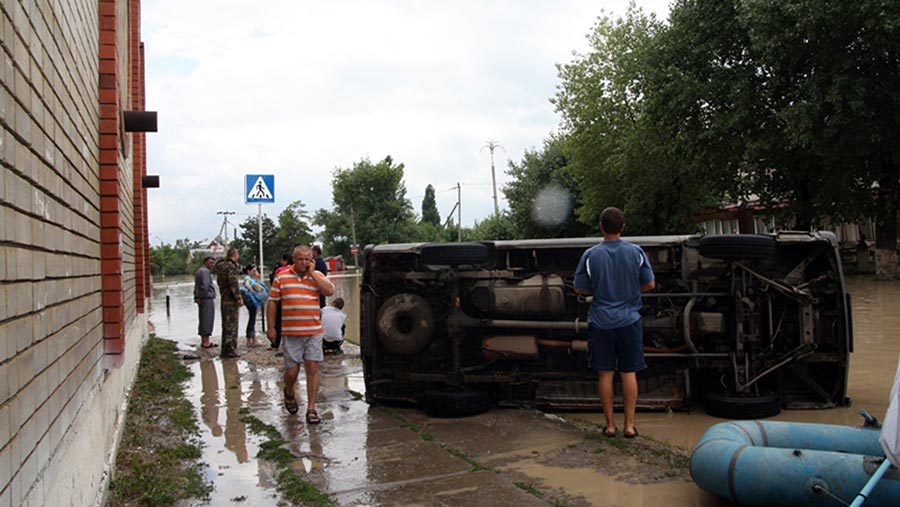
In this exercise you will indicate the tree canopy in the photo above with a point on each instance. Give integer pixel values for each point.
(248, 241)
(617, 156)
(788, 103)
(293, 229)
(542, 194)
(430, 214)
(375, 195)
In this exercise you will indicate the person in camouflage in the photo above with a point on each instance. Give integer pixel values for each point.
(227, 273)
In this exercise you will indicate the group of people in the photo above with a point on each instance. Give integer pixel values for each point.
(300, 324)
(614, 273)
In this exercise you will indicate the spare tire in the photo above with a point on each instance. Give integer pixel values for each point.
(404, 324)
(737, 246)
(453, 403)
(730, 406)
(452, 254)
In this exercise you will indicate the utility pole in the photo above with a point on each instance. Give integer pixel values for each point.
(459, 212)
(354, 247)
(262, 262)
(223, 231)
(259, 224)
(458, 209)
(491, 145)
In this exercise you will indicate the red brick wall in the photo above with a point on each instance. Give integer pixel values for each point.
(123, 222)
(73, 226)
(138, 140)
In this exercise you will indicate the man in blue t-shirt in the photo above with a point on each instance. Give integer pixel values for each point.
(615, 272)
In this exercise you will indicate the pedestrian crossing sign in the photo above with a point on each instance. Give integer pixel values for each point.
(259, 188)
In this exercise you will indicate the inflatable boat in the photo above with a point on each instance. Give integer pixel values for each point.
(798, 464)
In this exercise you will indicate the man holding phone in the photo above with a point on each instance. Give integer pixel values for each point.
(298, 289)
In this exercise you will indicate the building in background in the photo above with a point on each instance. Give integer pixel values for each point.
(73, 243)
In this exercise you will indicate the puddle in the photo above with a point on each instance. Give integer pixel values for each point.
(220, 389)
(584, 487)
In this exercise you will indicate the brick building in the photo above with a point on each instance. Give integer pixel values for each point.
(74, 271)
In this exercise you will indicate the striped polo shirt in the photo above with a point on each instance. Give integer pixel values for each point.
(300, 311)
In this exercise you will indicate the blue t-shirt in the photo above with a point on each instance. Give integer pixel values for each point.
(614, 271)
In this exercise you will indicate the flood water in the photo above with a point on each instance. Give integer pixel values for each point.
(363, 456)
(876, 323)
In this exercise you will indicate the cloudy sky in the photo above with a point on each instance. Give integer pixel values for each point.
(299, 88)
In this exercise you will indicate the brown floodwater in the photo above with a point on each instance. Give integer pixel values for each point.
(364, 455)
(876, 323)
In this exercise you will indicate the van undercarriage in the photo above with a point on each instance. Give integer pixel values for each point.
(747, 323)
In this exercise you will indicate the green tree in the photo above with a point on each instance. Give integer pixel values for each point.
(792, 102)
(293, 229)
(430, 213)
(495, 227)
(168, 260)
(248, 241)
(376, 197)
(539, 181)
(618, 157)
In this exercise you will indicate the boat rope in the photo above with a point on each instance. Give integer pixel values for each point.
(819, 489)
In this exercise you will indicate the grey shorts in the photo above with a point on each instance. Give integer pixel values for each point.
(296, 349)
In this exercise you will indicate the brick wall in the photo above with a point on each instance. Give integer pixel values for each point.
(72, 226)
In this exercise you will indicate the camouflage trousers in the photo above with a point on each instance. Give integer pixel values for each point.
(230, 312)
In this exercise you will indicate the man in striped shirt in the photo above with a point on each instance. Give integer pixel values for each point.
(298, 289)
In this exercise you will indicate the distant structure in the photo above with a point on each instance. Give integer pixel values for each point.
(75, 275)
(492, 145)
(213, 247)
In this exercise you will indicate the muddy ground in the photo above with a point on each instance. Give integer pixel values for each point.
(376, 455)
(395, 455)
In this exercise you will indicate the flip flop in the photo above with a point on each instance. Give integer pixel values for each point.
(312, 417)
(290, 403)
(610, 434)
(211, 345)
(630, 435)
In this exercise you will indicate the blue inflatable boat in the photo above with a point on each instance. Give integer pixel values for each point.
(797, 464)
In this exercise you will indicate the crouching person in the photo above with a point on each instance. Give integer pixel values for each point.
(333, 321)
(298, 289)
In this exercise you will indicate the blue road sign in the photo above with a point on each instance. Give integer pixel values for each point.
(259, 188)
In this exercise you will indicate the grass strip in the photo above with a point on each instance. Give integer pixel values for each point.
(158, 459)
(531, 490)
(291, 486)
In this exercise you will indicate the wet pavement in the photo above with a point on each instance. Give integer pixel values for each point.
(368, 455)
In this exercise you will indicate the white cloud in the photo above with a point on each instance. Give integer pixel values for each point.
(298, 88)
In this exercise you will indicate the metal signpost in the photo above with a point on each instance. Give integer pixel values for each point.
(259, 189)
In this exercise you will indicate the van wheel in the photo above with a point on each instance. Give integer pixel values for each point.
(737, 246)
(444, 403)
(404, 324)
(452, 254)
(729, 406)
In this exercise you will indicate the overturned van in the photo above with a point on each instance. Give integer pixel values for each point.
(747, 324)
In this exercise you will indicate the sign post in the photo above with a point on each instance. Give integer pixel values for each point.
(259, 189)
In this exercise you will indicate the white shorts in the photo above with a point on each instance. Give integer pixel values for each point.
(297, 349)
